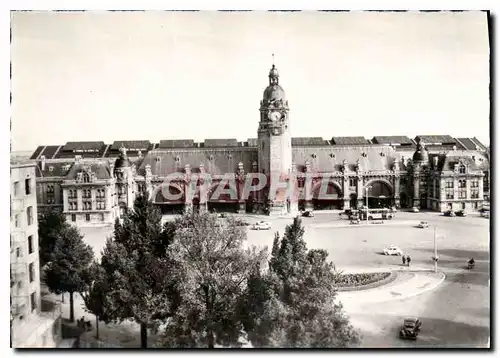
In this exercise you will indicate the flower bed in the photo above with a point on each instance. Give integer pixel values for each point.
(355, 281)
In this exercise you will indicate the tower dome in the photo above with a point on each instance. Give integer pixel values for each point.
(421, 154)
(274, 92)
(122, 161)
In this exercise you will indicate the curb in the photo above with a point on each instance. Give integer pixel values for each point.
(389, 298)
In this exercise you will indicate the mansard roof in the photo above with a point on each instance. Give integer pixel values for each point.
(306, 141)
(436, 139)
(100, 168)
(176, 143)
(53, 169)
(471, 144)
(131, 145)
(349, 141)
(392, 140)
(330, 159)
(215, 160)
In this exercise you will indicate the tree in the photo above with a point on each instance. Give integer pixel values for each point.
(95, 295)
(135, 266)
(68, 264)
(292, 304)
(50, 225)
(212, 267)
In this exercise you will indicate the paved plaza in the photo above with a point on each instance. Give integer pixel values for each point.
(455, 311)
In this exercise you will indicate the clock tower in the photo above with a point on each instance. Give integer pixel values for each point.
(274, 143)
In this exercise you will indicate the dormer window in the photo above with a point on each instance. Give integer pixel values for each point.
(158, 159)
(86, 178)
(363, 155)
(177, 158)
(211, 157)
(382, 154)
(230, 156)
(332, 155)
(461, 169)
(51, 168)
(313, 155)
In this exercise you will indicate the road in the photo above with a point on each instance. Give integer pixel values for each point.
(456, 314)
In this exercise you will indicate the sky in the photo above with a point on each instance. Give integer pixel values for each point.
(109, 76)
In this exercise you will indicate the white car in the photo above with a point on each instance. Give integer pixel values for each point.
(423, 225)
(262, 225)
(393, 250)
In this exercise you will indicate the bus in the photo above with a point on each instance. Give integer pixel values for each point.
(376, 214)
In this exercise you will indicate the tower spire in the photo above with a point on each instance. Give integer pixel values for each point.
(273, 59)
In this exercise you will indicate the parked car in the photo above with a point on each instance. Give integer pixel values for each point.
(308, 214)
(410, 328)
(485, 214)
(414, 210)
(393, 250)
(449, 213)
(423, 225)
(262, 225)
(461, 213)
(393, 210)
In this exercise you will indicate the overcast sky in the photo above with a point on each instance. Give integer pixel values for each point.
(164, 75)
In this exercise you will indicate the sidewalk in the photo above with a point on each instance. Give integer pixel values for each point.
(409, 283)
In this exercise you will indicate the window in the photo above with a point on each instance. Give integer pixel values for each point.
(462, 183)
(463, 206)
(474, 184)
(30, 244)
(32, 272)
(29, 213)
(33, 301)
(449, 195)
(474, 194)
(16, 189)
(73, 217)
(50, 188)
(16, 220)
(102, 217)
(18, 252)
(352, 181)
(462, 195)
(87, 217)
(86, 178)
(27, 184)
(461, 169)
(449, 184)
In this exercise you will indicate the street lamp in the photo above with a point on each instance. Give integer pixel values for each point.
(435, 251)
(366, 189)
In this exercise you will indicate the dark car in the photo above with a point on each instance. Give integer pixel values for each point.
(461, 213)
(449, 213)
(410, 328)
(308, 214)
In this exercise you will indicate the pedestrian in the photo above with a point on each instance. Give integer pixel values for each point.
(408, 259)
(404, 260)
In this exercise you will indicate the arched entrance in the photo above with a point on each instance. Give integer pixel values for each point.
(329, 199)
(170, 199)
(222, 199)
(379, 195)
(404, 200)
(353, 200)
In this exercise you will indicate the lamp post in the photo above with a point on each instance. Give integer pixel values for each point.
(366, 189)
(435, 252)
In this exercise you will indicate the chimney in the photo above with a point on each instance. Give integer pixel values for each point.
(43, 162)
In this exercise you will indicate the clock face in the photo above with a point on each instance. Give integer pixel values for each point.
(274, 116)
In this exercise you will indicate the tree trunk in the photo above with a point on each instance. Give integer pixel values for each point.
(210, 339)
(71, 308)
(96, 327)
(144, 335)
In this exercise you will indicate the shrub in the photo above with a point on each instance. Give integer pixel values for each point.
(360, 279)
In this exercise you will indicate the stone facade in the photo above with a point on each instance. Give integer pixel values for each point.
(182, 175)
(34, 322)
